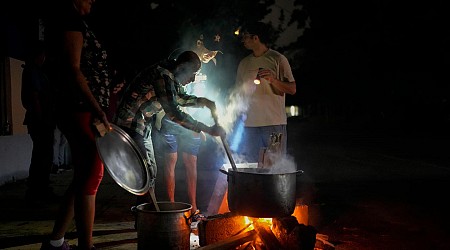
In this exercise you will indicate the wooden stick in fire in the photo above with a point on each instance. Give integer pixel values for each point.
(266, 235)
(231, 242)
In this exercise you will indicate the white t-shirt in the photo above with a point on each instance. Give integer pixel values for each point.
(265, 106)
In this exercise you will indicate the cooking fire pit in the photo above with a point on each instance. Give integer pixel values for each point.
(227, 231)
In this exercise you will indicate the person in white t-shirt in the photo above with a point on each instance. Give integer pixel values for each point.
(266, 112)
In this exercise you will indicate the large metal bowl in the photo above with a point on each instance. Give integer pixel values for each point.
(124, 161)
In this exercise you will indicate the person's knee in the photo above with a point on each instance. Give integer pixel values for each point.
(90, 176)
(92, 185)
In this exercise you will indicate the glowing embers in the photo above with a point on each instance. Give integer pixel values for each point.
(250, 221)
(229, 231)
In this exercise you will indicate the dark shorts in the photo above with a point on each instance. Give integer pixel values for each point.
(174, 136)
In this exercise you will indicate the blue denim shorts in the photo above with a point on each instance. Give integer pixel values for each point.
(175, 136)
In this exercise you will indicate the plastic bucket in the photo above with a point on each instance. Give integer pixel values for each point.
(169, 228)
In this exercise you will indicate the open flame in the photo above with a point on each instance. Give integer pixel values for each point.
(251, 221)
(231, 231)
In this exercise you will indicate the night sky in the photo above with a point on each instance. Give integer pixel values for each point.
(382, 60)
(372, 61)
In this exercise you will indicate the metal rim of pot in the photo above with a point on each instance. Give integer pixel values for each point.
(187, 208)
(167, 228)
(263, 171)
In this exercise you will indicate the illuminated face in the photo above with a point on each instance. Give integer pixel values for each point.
(186, 73)
(83, 6)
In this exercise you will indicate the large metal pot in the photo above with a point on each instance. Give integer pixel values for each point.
(169, 228)
(256, 192)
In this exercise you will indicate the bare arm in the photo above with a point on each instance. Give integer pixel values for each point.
(73, 44)
(284, 87)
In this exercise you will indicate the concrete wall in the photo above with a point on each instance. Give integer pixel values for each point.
(17, 110)
(15, 156)
(15, 149)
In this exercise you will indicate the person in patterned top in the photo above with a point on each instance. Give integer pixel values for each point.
(156, 89)
(78, 70)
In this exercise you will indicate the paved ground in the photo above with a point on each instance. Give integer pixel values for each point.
(365, 189)
(377, 189)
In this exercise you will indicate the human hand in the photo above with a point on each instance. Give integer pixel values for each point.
(118, 87)
(216, 130)
(210, 105)
(101, 123)
(206, 103)
(267, 74)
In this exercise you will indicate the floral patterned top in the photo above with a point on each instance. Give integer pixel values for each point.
(94, 66)
(93, 63)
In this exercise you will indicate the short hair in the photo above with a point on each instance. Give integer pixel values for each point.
(189, 57)
(264, 31)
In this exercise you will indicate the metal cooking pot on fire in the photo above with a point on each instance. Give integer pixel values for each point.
(256, 192)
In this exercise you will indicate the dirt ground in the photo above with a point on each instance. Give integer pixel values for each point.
(365, 189)
(375, 189)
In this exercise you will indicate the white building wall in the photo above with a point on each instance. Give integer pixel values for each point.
(15, 149)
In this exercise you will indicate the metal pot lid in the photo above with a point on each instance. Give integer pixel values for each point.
(124, 161)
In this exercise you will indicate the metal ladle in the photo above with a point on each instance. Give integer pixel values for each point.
(225, 144)
(228, 151)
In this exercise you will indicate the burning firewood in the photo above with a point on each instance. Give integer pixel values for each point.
(231, 242)
(246, 246)
(323, 243)
(293, 235)
(267, 237)
(220, 227)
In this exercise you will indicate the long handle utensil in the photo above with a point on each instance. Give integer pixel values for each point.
(228, 151)
(152, 195)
